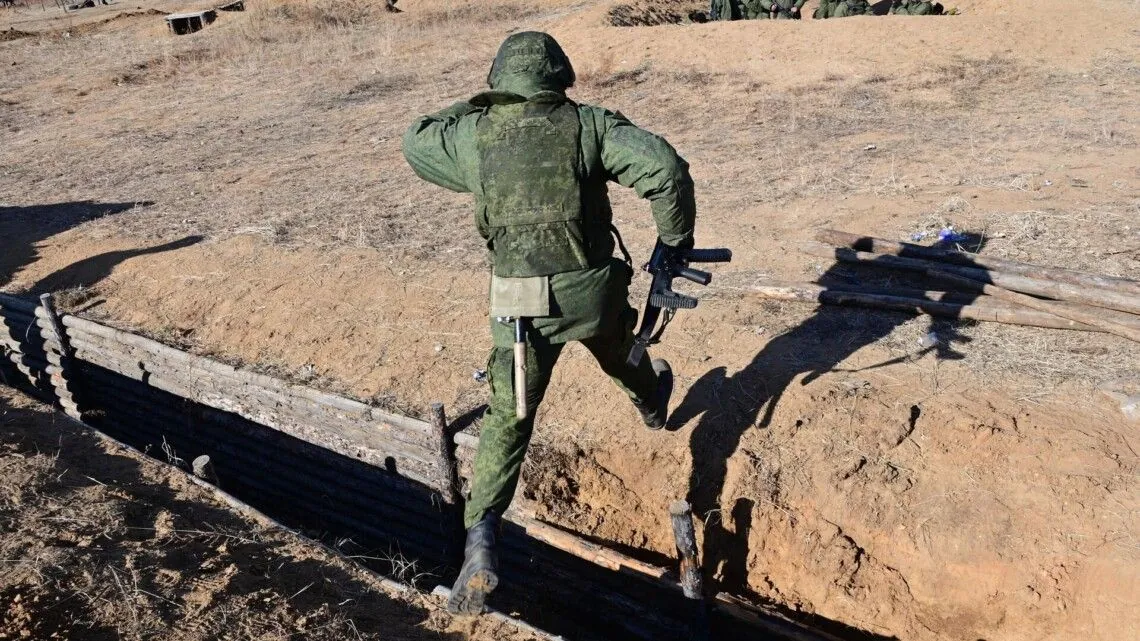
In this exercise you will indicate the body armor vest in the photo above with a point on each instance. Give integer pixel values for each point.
(532, 191)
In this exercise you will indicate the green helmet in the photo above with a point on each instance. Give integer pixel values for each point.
(534, 58)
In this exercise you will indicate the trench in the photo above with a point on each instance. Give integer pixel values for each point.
(387, 501)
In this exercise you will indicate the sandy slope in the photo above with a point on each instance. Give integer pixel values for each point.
(101, 543)
(985, 489)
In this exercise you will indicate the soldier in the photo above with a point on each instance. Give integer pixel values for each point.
(538, 165)
(845, 8)
(916, 8)
(727, 9)
(781, 9)
(823, 10)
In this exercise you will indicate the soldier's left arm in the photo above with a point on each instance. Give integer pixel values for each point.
(636, 158)
(432, 146)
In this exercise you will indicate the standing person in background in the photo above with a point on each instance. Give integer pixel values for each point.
(539, 165)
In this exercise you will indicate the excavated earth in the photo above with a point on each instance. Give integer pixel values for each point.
(240, 192)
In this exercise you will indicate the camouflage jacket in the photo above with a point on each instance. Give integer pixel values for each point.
(441, 148)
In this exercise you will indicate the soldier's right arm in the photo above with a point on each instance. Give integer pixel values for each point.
(637, 158)
(434, 147)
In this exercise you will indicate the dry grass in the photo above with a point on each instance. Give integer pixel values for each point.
(285, 123)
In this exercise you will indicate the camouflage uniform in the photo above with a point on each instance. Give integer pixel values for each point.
(823, 10)
(727, 9)
(544, 211)
(783, 9)
(915, 8)
(845, 8)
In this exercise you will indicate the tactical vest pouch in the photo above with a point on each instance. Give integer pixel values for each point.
(531, 188)
(520, 297)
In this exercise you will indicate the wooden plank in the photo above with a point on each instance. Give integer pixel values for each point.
(254, 403)
(355, 441)
(241, 430)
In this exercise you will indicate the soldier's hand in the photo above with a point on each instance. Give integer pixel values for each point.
(794, 9)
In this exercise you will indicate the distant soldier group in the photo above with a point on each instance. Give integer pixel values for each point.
(791, 9)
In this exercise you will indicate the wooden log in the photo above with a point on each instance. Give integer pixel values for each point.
(33, 361)
(255, 403)
(812, 293)
(13, 318)
(403, 428)
(23, 347)
(1088, 318)
(635, 619)
(1108, 299)
(685, 536)
(681, 515)
(448, 465)
(581, 548)
(1060, 275)
(22, 331)
(47, 306)
(17, 303)
(283, 472)
(378, 486)
(371, 448)
(258, 436)
(348, 406)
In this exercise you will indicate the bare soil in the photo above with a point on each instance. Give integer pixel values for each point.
(982, 489)
(98, 542)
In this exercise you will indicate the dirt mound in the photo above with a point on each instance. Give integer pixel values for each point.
(13, 34)
(101, 544)
(647, 13)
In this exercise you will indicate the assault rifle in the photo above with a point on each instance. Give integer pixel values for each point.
(665, 264)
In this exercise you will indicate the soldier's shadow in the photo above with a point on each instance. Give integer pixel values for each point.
(725, 406)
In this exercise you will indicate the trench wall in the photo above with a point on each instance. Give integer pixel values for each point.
(345, 471)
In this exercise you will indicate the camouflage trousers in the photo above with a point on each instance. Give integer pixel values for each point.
(504, 438)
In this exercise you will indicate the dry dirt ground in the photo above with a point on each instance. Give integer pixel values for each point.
(100, 543)
(240, 191)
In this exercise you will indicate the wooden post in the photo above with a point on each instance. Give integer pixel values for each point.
(203, 468)
(681, 514)
(60, 375)
(447, 463)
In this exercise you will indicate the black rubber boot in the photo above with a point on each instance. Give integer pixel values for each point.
(656, 412)
(480, 572)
